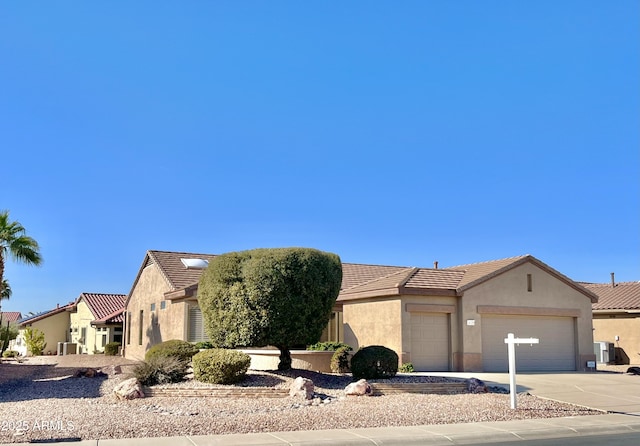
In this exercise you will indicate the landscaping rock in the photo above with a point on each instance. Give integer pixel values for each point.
(111, 370)
(475, 385)
(359, 388)
(302, 387)
(87, 373)
(129, 389)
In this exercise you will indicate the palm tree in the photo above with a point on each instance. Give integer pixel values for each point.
(18, 246)
(6, 290)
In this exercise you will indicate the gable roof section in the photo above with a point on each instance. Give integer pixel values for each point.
(622, 296)
(106, 308)
(453, 281)
(11, 316)
(477, 273)
(176, 274)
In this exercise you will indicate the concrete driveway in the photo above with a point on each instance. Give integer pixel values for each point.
(611, 392)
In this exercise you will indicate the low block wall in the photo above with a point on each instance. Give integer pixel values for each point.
(318, 361)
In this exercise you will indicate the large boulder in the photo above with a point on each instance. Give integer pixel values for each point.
(359, 388)
(129, 389)
(302, 387)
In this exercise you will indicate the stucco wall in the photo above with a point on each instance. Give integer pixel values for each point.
(55, 329)
(158, 325)
(627, 328)
(510, 290)
(81, 319)
(368, 322)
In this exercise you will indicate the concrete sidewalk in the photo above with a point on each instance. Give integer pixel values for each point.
(444, 434)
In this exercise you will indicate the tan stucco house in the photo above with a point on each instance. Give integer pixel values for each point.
(616, 319)
(436, 318)
(95, 320)
(53, 323)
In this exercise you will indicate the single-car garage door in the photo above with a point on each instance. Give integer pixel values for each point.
(430, 341)
(555, 352)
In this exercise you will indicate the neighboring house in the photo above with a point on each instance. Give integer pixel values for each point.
(438, 319)
(10, 316)
(96, 319)
(54, 324)
(616, 318)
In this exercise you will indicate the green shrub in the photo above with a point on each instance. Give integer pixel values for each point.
(329, 346)
(374, 361)
(220, 366)
(407, 367)
(10, 354)
(204, 345)
(160, 370)
(174, 348)
(34, 339)
(340, 360)
(111, 349)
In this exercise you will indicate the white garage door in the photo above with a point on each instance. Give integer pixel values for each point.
(430, 341)
(555, 352)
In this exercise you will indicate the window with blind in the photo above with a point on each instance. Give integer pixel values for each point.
(196, 331)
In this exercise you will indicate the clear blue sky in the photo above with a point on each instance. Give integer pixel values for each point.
(387, 132)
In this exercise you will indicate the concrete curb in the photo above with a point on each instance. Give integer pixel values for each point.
(444, 434)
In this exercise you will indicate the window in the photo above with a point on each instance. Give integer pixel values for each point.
(128, 324)
(196, 326)
(529, 283)
(153, 307)
(140, 327)
(163, 304)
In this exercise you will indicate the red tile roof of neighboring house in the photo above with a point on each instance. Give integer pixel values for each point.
(622, 296)
(11, 316)
(106, 308)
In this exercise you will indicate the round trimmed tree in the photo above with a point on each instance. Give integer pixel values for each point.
(281, 297)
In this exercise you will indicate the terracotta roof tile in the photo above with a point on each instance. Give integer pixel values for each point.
(622, 296)
(104, 305)
(11, 316)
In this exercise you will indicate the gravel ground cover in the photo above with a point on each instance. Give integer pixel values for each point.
(40, 399)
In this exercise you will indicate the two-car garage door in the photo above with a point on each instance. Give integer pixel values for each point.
(555, 352)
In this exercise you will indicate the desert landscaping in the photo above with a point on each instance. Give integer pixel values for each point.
(43, 398)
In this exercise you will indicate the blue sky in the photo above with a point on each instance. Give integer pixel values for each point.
(387, 132)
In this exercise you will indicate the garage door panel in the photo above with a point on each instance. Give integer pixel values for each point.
(555, 352)
(430, 341)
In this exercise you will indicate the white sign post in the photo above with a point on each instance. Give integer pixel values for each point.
(511, 342)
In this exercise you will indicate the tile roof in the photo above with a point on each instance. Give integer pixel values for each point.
(104, 306)
(622, 296)
(365, 280)
(481, 271)
(176, 273)
(11, 316)
(356, 274)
